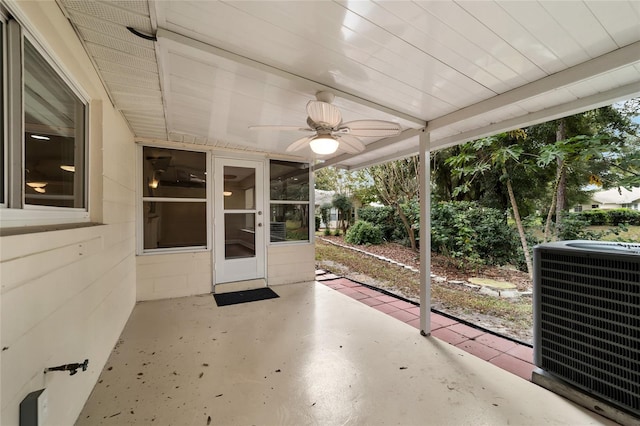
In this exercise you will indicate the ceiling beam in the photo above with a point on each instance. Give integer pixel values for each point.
(608, 62)
(208, 48)
(574, 107)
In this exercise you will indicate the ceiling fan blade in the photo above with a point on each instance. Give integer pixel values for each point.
(350, 143)
(299, 144)
(276, 127)
(324, 114)
(371, 128)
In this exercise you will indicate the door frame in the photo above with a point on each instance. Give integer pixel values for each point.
(255, 269)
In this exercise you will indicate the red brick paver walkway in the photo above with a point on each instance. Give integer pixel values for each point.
(504, 353)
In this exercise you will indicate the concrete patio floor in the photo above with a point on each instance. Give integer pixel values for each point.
(312, 356)
(507, 354)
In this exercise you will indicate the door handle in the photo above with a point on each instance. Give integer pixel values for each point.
(259, 224)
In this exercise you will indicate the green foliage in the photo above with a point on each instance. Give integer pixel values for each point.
(594, 217)
(325, 212)
(479, 235)
(337, 232)
(317, 219)
(624, 216)
(344, 206)
(386, 218)
(613, 217)
(363, 233)
(574, 227)
(327, 231)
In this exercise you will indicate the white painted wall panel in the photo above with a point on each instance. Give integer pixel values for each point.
(67, 294)
(290, 263)
(162, 276)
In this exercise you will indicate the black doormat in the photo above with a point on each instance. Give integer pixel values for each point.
(233, 298)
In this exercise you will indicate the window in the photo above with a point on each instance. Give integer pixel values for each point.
(3, 168)
(43, 155)
(578, 209)
(595, 206)
(54, 136)
(174, 201)
(289, 205)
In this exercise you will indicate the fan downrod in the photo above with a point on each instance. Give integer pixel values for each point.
(324, 96)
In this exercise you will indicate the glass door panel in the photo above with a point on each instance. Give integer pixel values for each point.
(239, 235)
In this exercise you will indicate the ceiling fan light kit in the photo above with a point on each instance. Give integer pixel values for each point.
(325, 120)
(324, 145)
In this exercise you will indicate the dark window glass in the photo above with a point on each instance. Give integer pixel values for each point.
(289, 181)
(174, 224)
(289, 222)
(173, 173)
(2, 118)
(54, 140)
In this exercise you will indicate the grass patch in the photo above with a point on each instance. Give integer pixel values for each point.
(632, 235)
(518, 314)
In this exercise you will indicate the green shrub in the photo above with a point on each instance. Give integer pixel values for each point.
(574, 227)
(623, 216)
(462, 229)
(363, 233)
(317, 218)
(385, 218)
(327, 231)
(595, 217)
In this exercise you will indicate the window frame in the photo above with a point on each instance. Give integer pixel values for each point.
(141, 199)
(309, 202)
(16, 212)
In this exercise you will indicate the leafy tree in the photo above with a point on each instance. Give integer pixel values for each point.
(503, 153)
(396, 183)
(344, 205)
(325, 213)
(593, 147)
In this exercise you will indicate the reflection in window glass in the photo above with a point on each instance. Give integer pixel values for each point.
(174, 224)
(173, 173)
(289, 222)
(239, 235)
(239, 188)
(54, 139)
(2, 118)
(289, 181)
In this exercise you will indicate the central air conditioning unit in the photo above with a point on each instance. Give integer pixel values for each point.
(587, 320)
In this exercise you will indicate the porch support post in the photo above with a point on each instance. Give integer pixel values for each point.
(425, 234)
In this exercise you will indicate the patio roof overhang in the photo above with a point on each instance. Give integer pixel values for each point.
(462, 70)
(199, 73)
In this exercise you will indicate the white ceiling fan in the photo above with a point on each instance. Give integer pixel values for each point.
(325, 122)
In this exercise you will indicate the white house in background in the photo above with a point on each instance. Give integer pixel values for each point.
(612, 199)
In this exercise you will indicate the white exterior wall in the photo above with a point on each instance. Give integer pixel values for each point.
(66, 295)
(173, 275)
(290, 263)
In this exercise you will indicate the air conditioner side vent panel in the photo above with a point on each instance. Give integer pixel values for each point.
(587, 318)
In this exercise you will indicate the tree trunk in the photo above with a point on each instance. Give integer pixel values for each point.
(561, 199)
(547, 226)
(516, 216)
(407, 225)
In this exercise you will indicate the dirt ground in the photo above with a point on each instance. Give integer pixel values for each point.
(444, 267)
